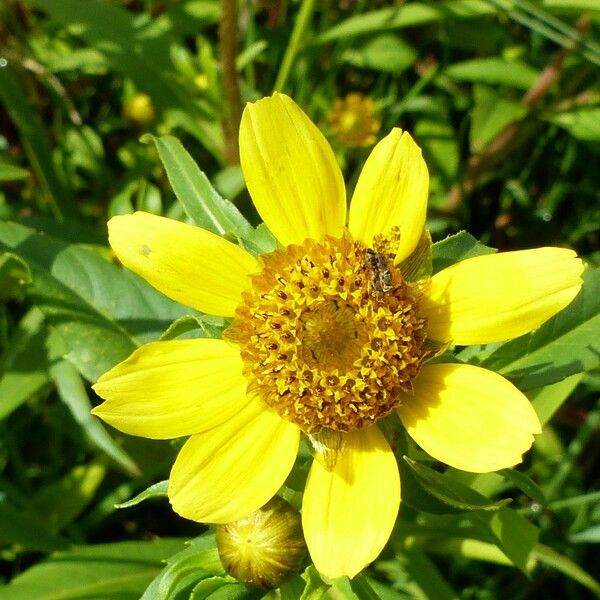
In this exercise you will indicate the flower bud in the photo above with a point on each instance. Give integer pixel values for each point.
(264, 548)
(139, 109)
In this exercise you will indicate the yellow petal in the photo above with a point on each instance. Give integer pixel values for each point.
(169, 389)
(468, 417)
(391, 191)
(348, 512)
(225, 473)
(291, 171)
(186, 263)
(500, 296)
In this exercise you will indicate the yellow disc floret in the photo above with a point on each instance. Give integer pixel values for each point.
(330, 333)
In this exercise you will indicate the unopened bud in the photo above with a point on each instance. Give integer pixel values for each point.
(264, 548)
(139, 109)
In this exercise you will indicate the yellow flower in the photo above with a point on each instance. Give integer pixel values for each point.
(353, 120)
(328, 336)
(139, 109)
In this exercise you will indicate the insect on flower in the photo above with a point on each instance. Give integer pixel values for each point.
(381, 275)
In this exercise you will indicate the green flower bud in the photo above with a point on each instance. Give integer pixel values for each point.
(264, 548)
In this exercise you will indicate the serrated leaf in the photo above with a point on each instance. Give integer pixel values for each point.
(202, 203)
(455, 248)
(156, 490)
(494, 71)
(451, 492)
(102, 312)
(120, 570)
(567, 344)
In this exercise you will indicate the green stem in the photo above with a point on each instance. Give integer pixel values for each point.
(229, 48)
(302, 21)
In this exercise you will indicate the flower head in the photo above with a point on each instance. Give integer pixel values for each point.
(353, 120)
(331, 332)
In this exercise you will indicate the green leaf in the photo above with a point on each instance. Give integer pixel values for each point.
(565, 565)
(548, 399)
(25, 365)
(260, 241)
(525, 484)
(117, 571)
(491, 113)
(494, 71)
(102, 312)
(568, 343)
(14, 276)
(223, 588)
(418, 497)
(510, 531)
(35, 143)
(455, 248)
(582, 123)
(451, 492)
(156, 490)
(60, 502)
(417, 576)
(315, 586)
(439, 142)
(204, 326)
(138, 49)
(406, 15)
(292, 588)
(10, 172)
(72, 392)
(196, 562)
(25, 528)
(202, 203)
(388, 53)
(589, 535)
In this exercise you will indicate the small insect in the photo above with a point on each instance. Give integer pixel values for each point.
(381, 276)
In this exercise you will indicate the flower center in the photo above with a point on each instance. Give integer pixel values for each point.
(330, 333)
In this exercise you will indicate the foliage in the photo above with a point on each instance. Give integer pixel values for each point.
(504, 98)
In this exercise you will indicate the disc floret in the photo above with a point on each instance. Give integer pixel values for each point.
(323, 341)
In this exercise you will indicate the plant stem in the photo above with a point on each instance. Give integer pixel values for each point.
(302, 21)
(228, 44)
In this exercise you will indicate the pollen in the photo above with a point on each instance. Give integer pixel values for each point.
(330, 333)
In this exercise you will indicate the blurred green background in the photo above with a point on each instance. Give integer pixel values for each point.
(504, 98)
